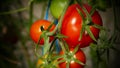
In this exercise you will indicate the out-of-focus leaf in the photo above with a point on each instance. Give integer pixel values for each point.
(99, 4)
(39, 1)
(68, 65)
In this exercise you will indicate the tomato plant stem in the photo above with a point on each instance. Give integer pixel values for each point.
(43, 11)
(14, 11)
(58, 26)
(31, 12)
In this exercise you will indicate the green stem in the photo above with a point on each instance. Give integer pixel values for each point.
(62, 46)
(92, 10)
(115, 16)
(30, 22)
(43, 11)
(51, 46)
(14, 11)
(58, 26)
(31, 12)
(60, 21)
(115, 24)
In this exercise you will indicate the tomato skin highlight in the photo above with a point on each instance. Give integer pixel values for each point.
(35, 31)
(79, 55)
(72, 25)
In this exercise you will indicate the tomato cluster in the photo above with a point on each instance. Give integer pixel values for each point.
(70, 58)
(72, 26)
(77, 30)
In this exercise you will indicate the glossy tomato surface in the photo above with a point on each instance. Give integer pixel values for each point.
(35, 30)
(79, 55)
(72, 25)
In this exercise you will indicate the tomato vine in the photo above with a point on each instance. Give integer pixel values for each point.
(79, 25)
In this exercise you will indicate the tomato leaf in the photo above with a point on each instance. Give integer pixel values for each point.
(81, 14)
(76, 49)
(66, 46)
(60, 35)
(57, 57)
(90, 33)
(37, 46)
(98, 26)
(78, 61)
(99, 4)
(46, 46)
(62, 45)
(61, 61)
(88, 16)
(36, 51)
(81, 32)
(68, 65)
(50, 26)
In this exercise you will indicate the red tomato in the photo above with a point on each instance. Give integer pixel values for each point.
(72, 24)
(35, 31)
(79, 55)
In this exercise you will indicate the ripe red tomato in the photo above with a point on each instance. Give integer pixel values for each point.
(35, 31)
(72, 25)
(79, 55)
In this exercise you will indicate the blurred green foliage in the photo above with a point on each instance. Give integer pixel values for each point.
(9, 34)
(14, 35)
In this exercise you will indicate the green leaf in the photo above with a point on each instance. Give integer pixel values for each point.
(46, 45)
(98, 26)
(62, 45)
(88, 16)
(57, 57)
(100, 4)
(61, 61)
(90, 33)
(81, 32)
(81, 14)
(93, 46)
(48, 29)
(60, 35)
(103, 35)
(36, 51)
(68, 65)
(79, 62)
(66, 46)
(46, 39)
(76, 49)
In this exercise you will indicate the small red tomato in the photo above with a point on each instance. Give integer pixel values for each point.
(35, 30)
(72, 25)
(79, 55)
